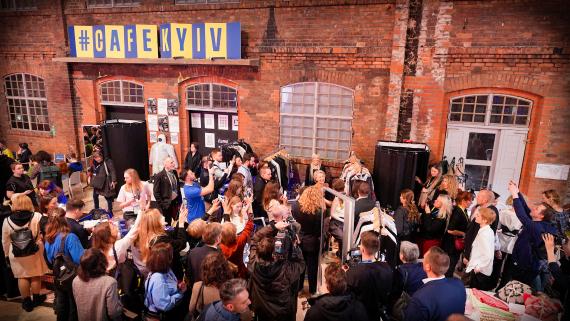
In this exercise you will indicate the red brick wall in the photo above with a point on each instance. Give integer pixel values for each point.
(25, 47)
(501, 47)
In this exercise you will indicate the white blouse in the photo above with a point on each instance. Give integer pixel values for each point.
(483, 251)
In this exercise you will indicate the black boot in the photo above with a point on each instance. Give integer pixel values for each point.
(28, 305)
(39, 299)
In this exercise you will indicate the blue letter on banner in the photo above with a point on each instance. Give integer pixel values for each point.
(234, 40)
(71, 39)
(198, 41)
(165, 41)
(99, 41)
(130, 41)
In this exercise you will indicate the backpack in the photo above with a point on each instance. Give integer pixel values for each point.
(23, 240)
(64, 269)
(130, 283)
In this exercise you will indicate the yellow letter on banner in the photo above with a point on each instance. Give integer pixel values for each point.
(84, 41)
(147, 41)
(216, 40)
(115, 41)
(181, 35)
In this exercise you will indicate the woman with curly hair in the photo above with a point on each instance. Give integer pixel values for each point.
(308, 211)
(215, 271)
(449, 186)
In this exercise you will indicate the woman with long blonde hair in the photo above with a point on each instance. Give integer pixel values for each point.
(134, 195)
(449, 186)
(434, 222)
(308, 211)
(151, 230)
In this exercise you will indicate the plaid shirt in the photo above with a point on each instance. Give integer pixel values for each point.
(560, 219)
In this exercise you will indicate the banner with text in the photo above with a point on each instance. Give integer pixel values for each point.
(169, 40)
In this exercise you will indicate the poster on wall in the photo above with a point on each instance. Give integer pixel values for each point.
(235, 123)
(151, 106)
(209, 122)
(210, 140)
(163, 123)
(174, 124)
(196, 120)
(153, 123)
(153, 137)
(172, 107)
(174, 138)
(223, 122)
(162, 106)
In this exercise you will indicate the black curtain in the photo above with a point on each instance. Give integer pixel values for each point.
(395, 168)
(125, 143)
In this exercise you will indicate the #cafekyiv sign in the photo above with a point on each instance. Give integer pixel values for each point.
(170, 40)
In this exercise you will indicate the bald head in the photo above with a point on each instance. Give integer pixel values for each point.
(485, 197)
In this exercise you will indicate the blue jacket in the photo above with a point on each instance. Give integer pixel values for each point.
(162, 292)
(72, 248)
(216, 312)
(437, 300)
(528, 249)
(412, 274)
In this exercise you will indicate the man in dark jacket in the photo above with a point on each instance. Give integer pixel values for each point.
(363, 203)
(262, 179)
(212, 237)
(529, 248)
(103, 180)
(166, 190)
(5, 174)
(439, 297)
(370, 280)
(275, 281)
(337, 305)
(485, 198)
(234, 300)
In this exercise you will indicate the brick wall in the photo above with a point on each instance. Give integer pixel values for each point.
(500, 47)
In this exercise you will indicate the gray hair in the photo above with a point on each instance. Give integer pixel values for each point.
(280, 211)
(232, 288)
(409, 251)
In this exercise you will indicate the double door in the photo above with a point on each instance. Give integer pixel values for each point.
(486, 158)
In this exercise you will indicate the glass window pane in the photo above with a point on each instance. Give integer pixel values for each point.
(480, 146)
(477, 177)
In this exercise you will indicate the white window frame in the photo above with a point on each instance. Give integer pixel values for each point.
(211, 108)
(315, 115)
(122, 102)
(182, 2)
(113, 5)
(488, 111)
(27, 99)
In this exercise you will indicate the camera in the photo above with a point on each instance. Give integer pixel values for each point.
(284, 240)
(354, 257)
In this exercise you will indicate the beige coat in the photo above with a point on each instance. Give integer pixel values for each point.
(28, 266)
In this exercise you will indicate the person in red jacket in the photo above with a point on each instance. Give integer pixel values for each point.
(232, 244)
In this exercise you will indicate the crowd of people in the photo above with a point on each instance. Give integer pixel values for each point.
(221, 241)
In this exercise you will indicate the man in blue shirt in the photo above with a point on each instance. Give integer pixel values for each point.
(234, 300)
(193, 193)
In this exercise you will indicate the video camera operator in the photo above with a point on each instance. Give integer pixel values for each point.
(276, 263)
(371, 280)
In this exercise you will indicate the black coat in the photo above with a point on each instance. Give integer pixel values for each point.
(372, 283)
(101, 174)
(162, 190)
(194, 262)
(310, 234)
(257, 205)
(274, 287)
(336, 308)
(193, 162)
(362, 205)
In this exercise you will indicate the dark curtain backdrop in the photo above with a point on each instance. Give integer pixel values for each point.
(395, 168)
(126, 144)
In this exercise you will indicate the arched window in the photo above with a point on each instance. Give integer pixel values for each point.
(211, 96)
(491, 110)
(27, 102)
(121, 93)
(316, 118)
